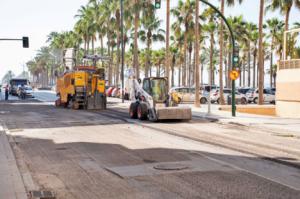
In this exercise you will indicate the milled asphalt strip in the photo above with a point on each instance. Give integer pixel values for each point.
(213, 144)
(121, 115)
(11, 182)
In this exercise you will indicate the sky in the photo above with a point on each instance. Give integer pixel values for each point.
(37, 18)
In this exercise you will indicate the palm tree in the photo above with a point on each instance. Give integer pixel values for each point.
(7, 77)
(275, 26)
(284, 6)
(211, 28)
(184, 15)
(151, 32)
(221, 40)
(260, 53)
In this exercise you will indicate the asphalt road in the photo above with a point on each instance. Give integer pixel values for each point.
(103, 154)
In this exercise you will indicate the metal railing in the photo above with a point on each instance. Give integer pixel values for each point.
(289, 64)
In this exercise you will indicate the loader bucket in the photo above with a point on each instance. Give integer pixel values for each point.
(176, 113)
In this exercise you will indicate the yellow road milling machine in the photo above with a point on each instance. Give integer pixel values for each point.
(152, 101)
(82, 88)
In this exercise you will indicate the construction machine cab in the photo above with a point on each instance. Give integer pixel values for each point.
(157, 87)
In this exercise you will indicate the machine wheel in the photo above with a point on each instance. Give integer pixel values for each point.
(203, 100)
(133, 110)
(57, 102)
(142, 111)
(75, 105)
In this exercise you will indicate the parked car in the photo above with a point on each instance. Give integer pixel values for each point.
(187, 94)
(115, 92)
(240, 97)
(109, 91)
(25, 92)
(215, 95)
(243, 90)
(269, 95)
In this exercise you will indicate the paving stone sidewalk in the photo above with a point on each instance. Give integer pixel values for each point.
(11, 183)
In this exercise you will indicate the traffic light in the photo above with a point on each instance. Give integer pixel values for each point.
(25, 42)
(236, 58)
(157, 4)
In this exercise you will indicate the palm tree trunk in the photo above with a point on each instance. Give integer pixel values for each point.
(190, 66)
(271, 69)
(185, 61)
(222, 101)
(172, 70)
(88, 46)
(93, 46)
(179, 74)
(110, 63)
(135, 48)
(197, 57)
(241, 77)
(226, 72)
(229, 68)
(211, 72)
(287, 18)
(167, 45)
(101, 46)
(244, 74)
(118, 60)
(260, 53)
(254, 69)
(112, 68)
(249, 67)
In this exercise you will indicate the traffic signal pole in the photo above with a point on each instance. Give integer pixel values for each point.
(234, 65)
(25, 41)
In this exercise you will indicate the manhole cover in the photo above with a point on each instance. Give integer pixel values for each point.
(170, 167)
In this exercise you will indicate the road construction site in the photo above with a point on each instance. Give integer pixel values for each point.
(105, 154)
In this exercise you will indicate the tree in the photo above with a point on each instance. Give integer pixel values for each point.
(284, 6)
(151, 32)
(7, 77)
(184, 15)
(260, 53)
(274, 26)
(221, 40)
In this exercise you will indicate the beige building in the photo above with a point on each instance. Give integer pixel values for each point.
(288, 85)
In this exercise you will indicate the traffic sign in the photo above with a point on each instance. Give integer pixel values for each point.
(234, 74)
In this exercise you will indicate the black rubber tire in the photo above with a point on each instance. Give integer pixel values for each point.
(133, 110)
(203, 100)
(255, 101)
(179, 100)
(243, 101)
(142, 111)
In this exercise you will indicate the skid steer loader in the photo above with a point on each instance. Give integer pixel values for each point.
(151, 101)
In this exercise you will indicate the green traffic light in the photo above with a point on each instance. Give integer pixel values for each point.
(157, 4)
(236, 59)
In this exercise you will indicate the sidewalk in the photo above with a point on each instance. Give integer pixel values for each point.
(11, 183)
(270, 123)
